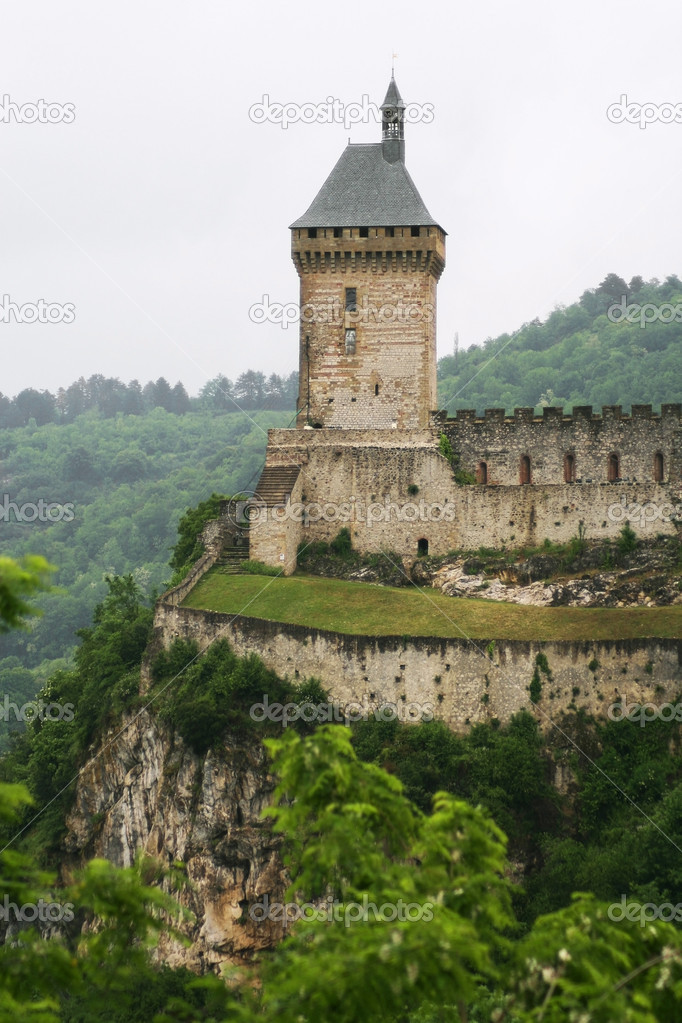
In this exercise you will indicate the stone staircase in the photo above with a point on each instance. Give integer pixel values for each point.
(274, 487)
(276, 483)
(231, 558)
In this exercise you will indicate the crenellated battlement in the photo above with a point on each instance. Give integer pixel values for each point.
(556, 414)
(584, 447)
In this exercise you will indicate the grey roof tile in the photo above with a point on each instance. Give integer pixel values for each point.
(365, 190)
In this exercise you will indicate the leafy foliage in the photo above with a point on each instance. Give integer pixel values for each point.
(350, 831)
(18, 580)
(189, 548)
(207, 695)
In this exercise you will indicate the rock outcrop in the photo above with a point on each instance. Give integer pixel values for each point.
(144, 790)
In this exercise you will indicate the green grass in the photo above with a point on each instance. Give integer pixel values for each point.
(366, 609)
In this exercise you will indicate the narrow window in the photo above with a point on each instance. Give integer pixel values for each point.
(312, 232)
(351, 300)
(569, 468)
(376, 389)
(422, 547)
(614, 467)
(524, 474)
(350, 342)
(364, 232)
(658, 467)
(390, 232)
(338, 232)
(482, 472)
(414, 231)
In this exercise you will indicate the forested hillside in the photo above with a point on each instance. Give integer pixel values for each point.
(111, 397)
(579, 355)
(123, 484)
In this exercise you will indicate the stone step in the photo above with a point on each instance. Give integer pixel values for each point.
(231, 558)
(276, 483)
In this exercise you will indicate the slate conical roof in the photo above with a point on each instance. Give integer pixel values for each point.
(393, 97)
(366, 190)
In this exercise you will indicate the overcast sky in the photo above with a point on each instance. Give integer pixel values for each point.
(159, 210)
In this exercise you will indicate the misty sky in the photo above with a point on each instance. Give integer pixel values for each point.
(161, 211)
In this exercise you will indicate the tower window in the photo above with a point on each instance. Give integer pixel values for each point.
(312, 232)
(658, 467)
(524, 471)
(351, 300)
(376, 389)
(414, 231)
(482, 472)
(422, 547)
(614, 467)
(569, 468)
(364, 232)
(390, 232)
(338, 232)
(350, 342)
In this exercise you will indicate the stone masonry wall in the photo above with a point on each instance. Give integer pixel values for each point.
(389, 380)
(458, 681)
(500, 441)
(366, 480)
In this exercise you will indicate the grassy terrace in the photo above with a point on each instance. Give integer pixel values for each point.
(366, 609)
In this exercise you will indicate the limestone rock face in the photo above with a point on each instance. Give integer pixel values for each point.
(144, 789)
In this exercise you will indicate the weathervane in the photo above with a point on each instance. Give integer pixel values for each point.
(393, 56)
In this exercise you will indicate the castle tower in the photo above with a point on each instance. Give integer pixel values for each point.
(369, 256)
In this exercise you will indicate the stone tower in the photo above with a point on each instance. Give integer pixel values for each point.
(369, 256)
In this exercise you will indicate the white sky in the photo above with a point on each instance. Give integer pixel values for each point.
(162, 211)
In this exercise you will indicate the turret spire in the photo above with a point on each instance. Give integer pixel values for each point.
(393, 124)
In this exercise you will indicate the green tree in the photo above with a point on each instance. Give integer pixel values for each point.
(19, 580)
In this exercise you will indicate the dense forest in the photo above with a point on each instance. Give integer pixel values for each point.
(110, 398)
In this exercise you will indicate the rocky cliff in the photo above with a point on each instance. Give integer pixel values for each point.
(143, 789)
